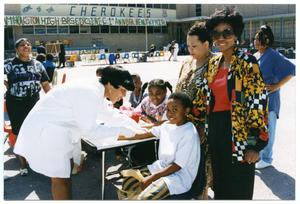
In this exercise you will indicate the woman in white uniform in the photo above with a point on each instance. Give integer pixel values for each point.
(57, 122)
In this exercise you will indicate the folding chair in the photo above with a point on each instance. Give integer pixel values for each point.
(102, 57)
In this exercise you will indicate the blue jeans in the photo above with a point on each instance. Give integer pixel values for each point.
(267, 153)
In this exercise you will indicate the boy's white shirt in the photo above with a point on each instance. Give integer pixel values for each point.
(180, 145)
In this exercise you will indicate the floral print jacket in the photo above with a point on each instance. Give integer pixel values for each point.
(248, 96)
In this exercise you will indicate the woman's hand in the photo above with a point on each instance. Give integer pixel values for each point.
(251, 156)
(272, 87)
(123, 137)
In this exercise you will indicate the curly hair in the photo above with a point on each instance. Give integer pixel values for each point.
(199, 29)
(229, 16)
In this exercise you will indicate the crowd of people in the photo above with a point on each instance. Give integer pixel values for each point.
(214, 130)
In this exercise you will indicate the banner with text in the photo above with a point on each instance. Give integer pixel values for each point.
(82, 21)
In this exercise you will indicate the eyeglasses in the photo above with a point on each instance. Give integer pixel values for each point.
(227, 33)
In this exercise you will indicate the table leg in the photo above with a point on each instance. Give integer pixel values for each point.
(155, 149)
(103, 176)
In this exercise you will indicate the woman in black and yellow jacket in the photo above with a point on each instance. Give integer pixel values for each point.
(235, 99)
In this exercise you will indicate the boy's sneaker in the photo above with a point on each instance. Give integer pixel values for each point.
(262, 164)
(24, 172)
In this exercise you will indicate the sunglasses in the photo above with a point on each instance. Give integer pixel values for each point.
(227, 33)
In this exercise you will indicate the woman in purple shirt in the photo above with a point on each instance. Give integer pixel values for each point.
(276, 70)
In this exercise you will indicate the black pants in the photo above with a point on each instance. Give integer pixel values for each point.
(230, 180)
(17, 110)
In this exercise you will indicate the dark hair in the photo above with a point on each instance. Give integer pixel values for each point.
(17, 43)
(41, 57)
(199, 29)
(183, 98)
(135, 76)
(229, 16)
(99, 71)
(116, 76)
(265, 35)
(49, 57)
(159, 83)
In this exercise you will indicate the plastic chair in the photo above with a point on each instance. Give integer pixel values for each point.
(125, 57)
(102, 57)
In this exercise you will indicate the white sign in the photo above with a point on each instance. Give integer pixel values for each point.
(83, 21)
(95, 11)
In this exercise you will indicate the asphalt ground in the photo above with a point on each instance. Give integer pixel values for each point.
(273, 183)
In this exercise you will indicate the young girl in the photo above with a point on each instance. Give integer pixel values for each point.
(176, 168)
(153, 111)
(153, 107)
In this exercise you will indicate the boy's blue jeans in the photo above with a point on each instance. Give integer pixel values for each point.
(267, 153)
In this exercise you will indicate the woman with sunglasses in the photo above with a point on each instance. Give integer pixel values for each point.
(236, 121)
(276, 70)
(191, 73)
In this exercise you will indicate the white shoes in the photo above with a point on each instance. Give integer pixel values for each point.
(262, 164)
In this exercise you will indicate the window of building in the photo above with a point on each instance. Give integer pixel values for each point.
(141, 29)
(122, 5)
(74, 29)
(27, 29)
(156, 5)
(131, 5)
(165, 6)
(114, 29)
(157, 29)
(132, 29)
(140, 5)
(149, 29)
(51, 29)
(198, 10)
(149, 5)
(104, 29)
(95, 29)
(123, 29)
(289, 28)
(277, 29)
(39, 30)
(164, 29)
(172, 6)
(85, 29)
(113, 4)
(63, 29)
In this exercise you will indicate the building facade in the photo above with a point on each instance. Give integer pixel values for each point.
(133, 26)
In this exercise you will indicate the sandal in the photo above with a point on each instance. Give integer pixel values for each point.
(24, 172)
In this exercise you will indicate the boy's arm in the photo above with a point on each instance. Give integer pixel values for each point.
(136, 136)
(164, 172)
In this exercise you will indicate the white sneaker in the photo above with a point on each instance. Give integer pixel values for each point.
(262, 164)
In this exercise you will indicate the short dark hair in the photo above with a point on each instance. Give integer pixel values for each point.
(183, 98)
(136, 76)
(41, 57)
(229, 16)
(49, 57)
(99, 71)
(199, 29)
(265, 35)
(116, 76)
(17, 43)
